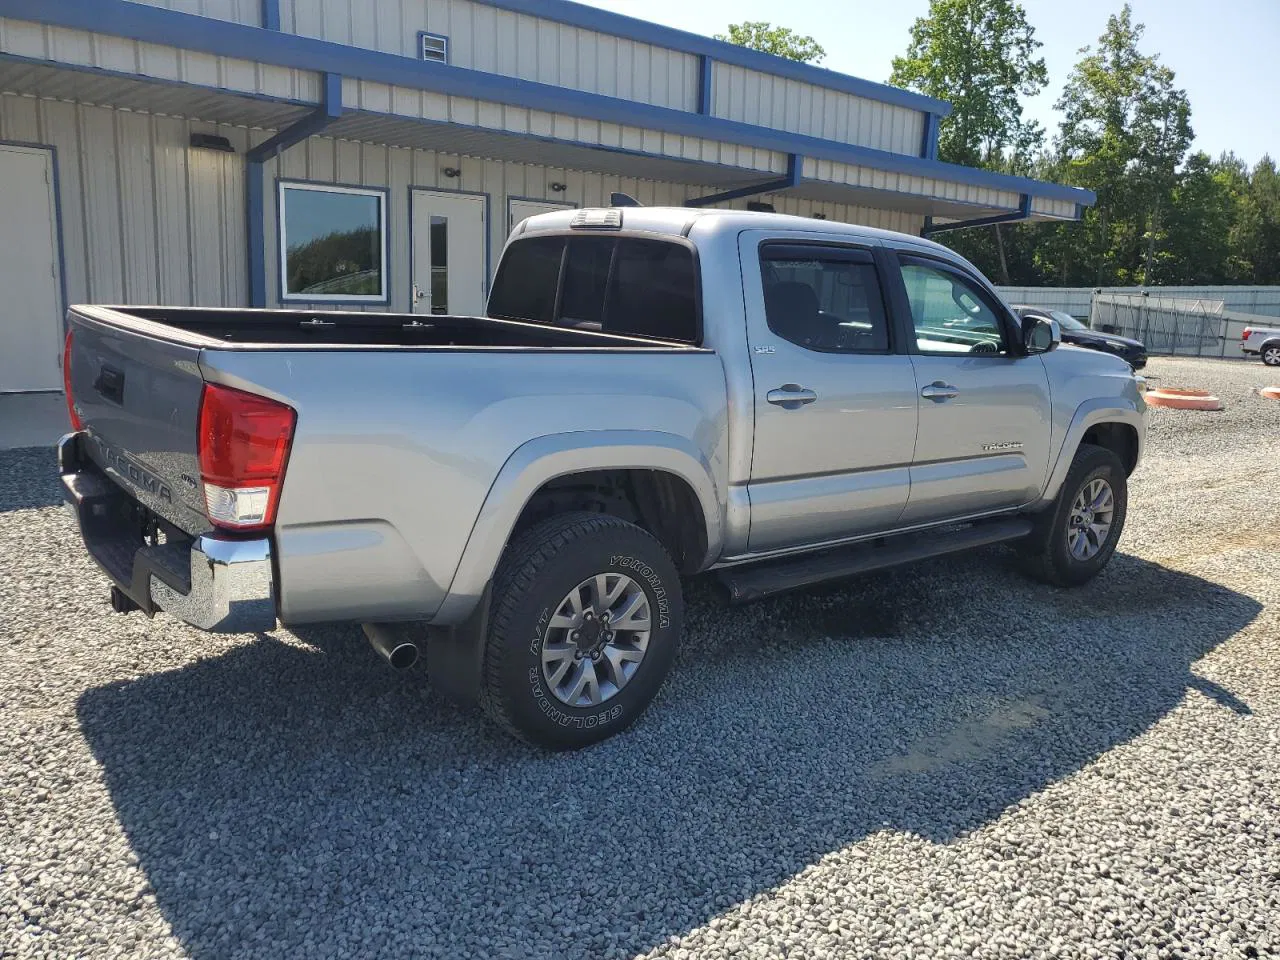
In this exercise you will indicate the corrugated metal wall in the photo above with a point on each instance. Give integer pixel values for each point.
(904, 183)
(1064, 209)
(344, 161)
(419, 104)
(241, 11)
(145, 219)
(751, 96)
(82, 48)
(498, 41)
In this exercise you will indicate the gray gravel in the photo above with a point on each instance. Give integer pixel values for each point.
(943, 761)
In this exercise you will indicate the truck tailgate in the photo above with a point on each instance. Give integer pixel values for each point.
(138, 397)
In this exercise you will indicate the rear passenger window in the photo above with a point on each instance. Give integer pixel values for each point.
(525, 288)
(637, 287)
(824, 298)
(653, 292)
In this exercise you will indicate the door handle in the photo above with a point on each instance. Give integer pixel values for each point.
(791, 396)
(939, 391)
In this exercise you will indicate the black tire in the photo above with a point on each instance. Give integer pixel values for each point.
(1047, 551)
(540, 568)
(1271, 354)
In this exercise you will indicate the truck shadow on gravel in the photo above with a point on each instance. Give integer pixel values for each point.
(296, 798)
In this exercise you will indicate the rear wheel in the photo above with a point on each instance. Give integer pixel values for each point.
(1074, 539)
(586, 621)
(1271, 355)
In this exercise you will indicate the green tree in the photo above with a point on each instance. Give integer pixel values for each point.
(780, 41)
(1124, 133)
(1255, 237)
(1195, 237)
(981, 56)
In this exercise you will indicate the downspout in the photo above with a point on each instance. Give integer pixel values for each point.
(255, 188)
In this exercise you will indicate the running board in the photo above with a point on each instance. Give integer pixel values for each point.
(753, 581)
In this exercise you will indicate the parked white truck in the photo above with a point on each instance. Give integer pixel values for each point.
(654, 394)
(1261, 342)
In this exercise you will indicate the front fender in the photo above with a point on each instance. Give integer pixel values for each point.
(542, 459)
(1129, 410)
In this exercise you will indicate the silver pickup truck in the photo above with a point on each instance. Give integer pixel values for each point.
(654, 394)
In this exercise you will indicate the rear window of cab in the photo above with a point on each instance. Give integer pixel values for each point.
(628, 285)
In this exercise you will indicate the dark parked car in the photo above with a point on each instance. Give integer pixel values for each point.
(1073, 331)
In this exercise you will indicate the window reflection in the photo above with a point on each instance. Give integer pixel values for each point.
(333, 240)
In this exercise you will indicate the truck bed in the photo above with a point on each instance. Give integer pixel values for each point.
(404, 424)
(234, 328)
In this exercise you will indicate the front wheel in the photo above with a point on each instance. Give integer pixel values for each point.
(585, 624)
(1074, 539)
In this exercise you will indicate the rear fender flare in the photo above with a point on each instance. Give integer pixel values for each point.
(542, 459)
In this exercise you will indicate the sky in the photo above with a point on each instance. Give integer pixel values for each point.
(1224, 52)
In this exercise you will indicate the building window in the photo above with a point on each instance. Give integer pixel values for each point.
(333, 244)
(433, 47)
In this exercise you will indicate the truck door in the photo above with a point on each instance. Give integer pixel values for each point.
(835, 408)
(985, 416)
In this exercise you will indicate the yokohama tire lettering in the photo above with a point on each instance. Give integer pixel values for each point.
(648, 576)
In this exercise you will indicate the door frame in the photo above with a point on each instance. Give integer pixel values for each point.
(562, 204)
(488, 212)
(60, 258)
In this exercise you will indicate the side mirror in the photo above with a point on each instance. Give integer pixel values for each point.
(1040, 334)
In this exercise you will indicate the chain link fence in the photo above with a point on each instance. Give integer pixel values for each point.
(1167, 325)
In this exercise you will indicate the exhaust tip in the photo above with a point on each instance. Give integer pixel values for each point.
(390, 642)
(403, 656)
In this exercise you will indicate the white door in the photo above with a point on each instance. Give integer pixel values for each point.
(518, 210)
(449, 275)
(30, 325)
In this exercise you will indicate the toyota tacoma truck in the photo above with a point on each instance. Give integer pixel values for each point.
(653, 394)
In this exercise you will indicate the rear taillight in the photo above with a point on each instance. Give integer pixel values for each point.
(244, 445)
(76, 422)
(1246, 334)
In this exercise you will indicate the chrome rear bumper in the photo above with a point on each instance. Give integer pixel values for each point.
(216, 583)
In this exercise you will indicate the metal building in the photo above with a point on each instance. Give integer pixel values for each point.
(374, 154)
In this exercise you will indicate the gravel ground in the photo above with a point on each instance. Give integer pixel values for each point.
(942, 761)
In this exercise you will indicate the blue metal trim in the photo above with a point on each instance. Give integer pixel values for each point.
(620, 25)
(271, 14)
(281, 182)
(795, 163)
(929, 142)
(255, 231)
(488, 234)
(222, 38)
(1022, 213)
(255, 203)
(308, 126)
(57, 216)
(705, 67)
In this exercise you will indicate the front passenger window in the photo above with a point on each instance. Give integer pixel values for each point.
(949, 314)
